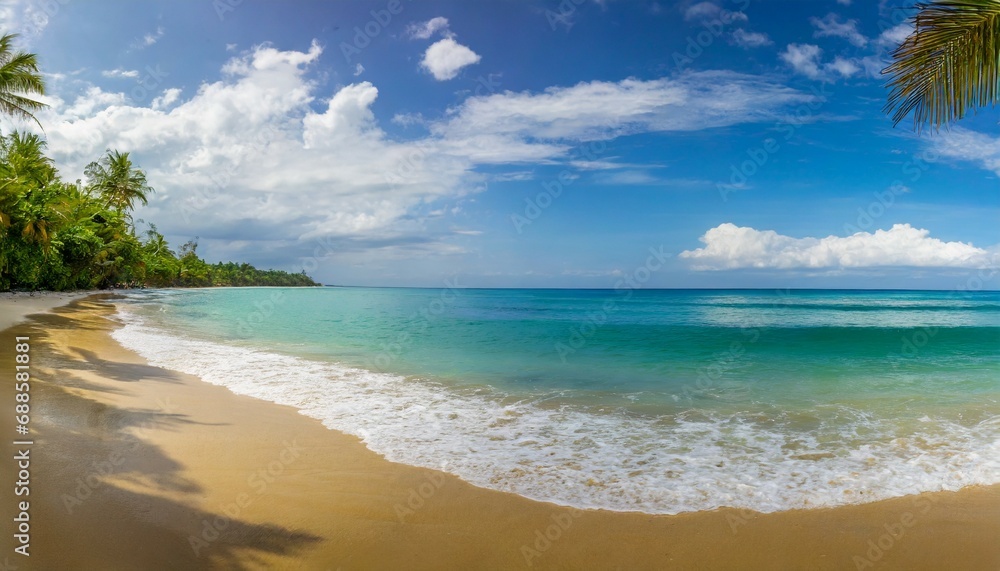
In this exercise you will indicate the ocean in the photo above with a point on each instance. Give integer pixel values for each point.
(659, 401)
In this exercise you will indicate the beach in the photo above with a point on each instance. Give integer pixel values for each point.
(139, 467)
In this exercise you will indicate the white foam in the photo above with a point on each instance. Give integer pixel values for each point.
(612, 461)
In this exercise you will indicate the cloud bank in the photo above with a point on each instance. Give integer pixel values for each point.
(728, 246)
(260, 158)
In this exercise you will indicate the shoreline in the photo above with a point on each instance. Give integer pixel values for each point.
(150, 455)
(18, 305)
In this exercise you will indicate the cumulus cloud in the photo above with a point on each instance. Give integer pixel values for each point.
(445, 58)
(748, 40)
(806, 59)
(844, 67)
(832, 26)
(238, 158)
(424, 30)
(728, 246)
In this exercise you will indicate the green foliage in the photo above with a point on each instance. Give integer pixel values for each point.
(949, 65)
(19, 77)
(55, 235)
(58, 236)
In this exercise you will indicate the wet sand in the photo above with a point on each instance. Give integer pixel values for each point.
(16, 306)
(138, 467)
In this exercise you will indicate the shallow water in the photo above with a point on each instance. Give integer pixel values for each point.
(659, 401)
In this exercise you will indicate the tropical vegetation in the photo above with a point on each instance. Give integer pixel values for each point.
(948, 65)
(59, 235)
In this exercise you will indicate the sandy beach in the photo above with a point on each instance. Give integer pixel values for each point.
(15, 306)
(138, 467)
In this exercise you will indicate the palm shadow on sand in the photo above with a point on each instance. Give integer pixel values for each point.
(111, 500)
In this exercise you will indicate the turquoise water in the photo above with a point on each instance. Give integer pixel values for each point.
(660, 401)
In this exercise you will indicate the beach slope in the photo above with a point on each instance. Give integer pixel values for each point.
(138, 467)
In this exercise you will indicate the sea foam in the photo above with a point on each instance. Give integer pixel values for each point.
(684, 462)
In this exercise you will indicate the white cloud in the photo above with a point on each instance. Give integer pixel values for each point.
(28, 18)
(445, 58)
(238, 158)
(806, 59)
(148, 39)
(129, 73)
(358, 70)
(711, 11)
(627, 178)
(844, 67)
(728, 246)
(701, 10)
(895, 35)
(747, 40)
(169, 97)
(601, 110)
(966, 145)
(425, 30)
(832, 26)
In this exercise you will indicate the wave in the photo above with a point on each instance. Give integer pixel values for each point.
(692, 461)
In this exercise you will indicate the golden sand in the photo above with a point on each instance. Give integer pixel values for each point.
(141, 468)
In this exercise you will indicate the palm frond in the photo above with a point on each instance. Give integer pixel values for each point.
(19, 76)
(948, 65)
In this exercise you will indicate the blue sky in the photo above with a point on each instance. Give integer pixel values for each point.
(525, 144)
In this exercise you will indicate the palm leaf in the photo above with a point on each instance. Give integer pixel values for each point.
(948, 65)
(19, 77)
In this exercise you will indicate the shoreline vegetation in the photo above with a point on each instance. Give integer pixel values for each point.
(59, 236)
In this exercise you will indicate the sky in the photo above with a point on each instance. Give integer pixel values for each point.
(717, 144)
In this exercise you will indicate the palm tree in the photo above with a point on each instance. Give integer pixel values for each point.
(118, 182)
(19, 77)
(24, 171)
(948, 65)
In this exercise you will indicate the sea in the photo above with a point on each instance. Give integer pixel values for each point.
(656, 401)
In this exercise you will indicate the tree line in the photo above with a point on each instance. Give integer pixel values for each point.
(58, 235)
